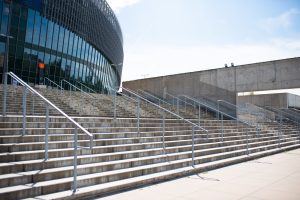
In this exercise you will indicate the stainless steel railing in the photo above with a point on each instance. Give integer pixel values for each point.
(218, 112)
(86, 87)
(48, 104)
(164, 110)
(177, 102)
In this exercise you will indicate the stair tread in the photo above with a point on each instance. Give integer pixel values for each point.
(82, 166)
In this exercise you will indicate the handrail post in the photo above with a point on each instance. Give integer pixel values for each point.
(247, 135)
(257, 133)
(218, 113)
(46, 131)
(280, 132)
(222, 127)
(4, 95)
(114, 105)
(138, 114)
(24, 109)
(178, 106)
(75, 161)
(33, 103)
(199, 114)
(164, 129)
(193, 146)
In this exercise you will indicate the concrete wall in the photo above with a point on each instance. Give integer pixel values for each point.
(275, 100)
(224, 83)
(293, 100)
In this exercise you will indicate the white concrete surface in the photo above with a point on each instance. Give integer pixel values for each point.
(275, 177)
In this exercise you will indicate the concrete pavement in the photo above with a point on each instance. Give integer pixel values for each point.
(275, 177)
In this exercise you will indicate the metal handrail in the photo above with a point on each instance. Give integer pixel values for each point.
(155, 97)
(49, 80)
(47, 104)
(280, 111)
(214, 109)
(178, 98)
(90, 89)
(164, 109)
(237, 107)
(76, 88)
(174, 114)
(291, 112)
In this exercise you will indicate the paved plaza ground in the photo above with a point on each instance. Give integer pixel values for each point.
(275, 177)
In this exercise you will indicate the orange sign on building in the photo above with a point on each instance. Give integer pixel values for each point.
(41, 66)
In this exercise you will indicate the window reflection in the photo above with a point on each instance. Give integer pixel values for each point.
(65, 54)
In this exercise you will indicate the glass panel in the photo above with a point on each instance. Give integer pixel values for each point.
(76, 70)
(72, 70)
(80, 72)
(75, 45)
(2, 56)
(4, 20)
(86, 52)
(68, 69)
(83, 50)
(70, 48)
(84, 73)
(49, 34)
(1, 8)
(43, 32)
(29, 29)
(57, 70)
(55, 37)
(37, 28)
(79, 47)
(61, 39)
(52, 67)
(47, 64)
(66, 40)
(63, 68)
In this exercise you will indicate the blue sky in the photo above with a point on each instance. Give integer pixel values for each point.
(174, 36)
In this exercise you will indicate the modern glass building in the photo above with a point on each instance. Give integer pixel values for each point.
(75, 40)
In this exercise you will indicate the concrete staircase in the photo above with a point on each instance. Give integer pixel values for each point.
(123, 156)
(34, 105)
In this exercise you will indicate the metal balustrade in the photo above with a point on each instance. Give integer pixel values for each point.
(220, 116)
(177, 102)
(86, 87)
(163, 112)
(48, 105)
(284, 116)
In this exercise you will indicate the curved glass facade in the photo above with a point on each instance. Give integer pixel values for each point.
(37, 36)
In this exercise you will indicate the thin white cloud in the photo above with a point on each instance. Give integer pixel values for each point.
(117, 5)
(283, 21)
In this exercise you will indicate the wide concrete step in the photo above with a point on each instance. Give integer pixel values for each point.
(84, 169)
(18, 138)
(56, 153)
(63, 184)
(101, 123)
(13, 147)
(100, 190)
